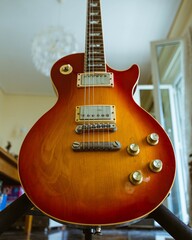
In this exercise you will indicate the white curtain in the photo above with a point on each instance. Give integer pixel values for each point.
(188, 108)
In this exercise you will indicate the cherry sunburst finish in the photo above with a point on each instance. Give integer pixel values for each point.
(96, 157)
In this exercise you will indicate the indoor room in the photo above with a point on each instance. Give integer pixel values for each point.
(95, 120)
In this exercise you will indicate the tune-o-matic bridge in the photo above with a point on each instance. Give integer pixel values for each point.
(95, 79)
(104, 127)
(96, 146)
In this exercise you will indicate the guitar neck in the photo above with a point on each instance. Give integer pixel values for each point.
(94, 47)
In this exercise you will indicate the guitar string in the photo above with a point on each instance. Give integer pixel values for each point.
(92, 39)
(90, 30)
(99, 30)
(93, 86)
(102, 54)
(89, 81)
(85, 72)
(92, 61)
(96, 31)
(91, 68)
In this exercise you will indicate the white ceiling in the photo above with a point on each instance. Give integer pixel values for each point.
(129, 27)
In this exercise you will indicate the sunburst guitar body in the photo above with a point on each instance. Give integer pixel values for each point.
(96, 158)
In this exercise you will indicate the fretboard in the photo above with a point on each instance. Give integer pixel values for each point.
(94, 49)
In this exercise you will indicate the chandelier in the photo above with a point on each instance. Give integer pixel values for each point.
(49, 46)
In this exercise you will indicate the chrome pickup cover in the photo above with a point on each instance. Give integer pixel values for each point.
(95, 79)
(96, 127)
(96, 146)
(95, 113)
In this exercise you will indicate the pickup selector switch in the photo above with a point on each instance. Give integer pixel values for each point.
(133, 149)
(153, 139)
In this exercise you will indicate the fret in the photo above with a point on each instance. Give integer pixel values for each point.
(93, 54)
(95, 40)
(97, 63)
(94, 22)
(93, 28)
(93, 15)
(95, 66)
(96, 60)
(98, 69)
(95, 69)
(97, 20)
(89, 58)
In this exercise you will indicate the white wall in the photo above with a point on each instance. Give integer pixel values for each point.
(17, 115)
(1, 108)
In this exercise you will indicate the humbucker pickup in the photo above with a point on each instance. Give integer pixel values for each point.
(95, 79)
(96, 146)
(95, 113)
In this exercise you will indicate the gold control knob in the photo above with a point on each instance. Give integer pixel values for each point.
(153, 139)
(136, 177)
(66, 69)
(133, 149)
(156, 165)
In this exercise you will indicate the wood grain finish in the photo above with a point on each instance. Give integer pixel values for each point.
(92, 188)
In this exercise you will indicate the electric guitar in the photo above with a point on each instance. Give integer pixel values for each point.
(96, 158)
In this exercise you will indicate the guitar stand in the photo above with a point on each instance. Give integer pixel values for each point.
(175, 227)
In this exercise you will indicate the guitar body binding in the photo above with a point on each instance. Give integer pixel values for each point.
(94, 187)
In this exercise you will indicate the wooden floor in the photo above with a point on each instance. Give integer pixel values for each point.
(73, 234)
